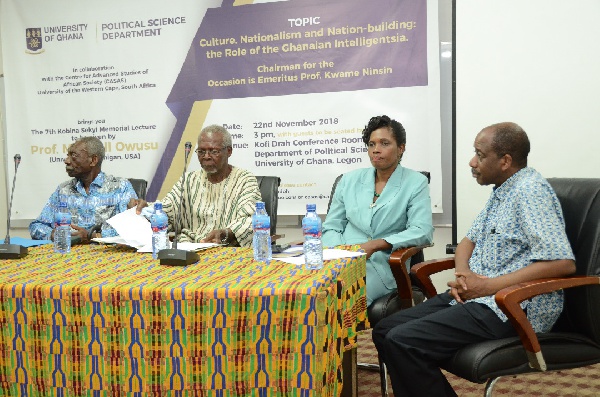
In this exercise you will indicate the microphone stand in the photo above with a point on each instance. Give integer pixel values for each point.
(8, 250)
(174, 256)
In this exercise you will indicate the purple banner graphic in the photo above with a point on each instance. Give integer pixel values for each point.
(298, 47)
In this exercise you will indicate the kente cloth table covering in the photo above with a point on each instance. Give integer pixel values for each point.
(109, 321)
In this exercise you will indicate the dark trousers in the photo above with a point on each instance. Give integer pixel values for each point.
(414, 342)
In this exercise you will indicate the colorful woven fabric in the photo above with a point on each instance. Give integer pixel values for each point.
(108, 321)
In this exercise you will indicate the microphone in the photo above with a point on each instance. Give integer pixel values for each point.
(174, 256)
(8, 250)
(188, 149)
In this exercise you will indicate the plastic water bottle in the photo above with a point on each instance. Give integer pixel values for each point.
(62, 229)
(160, 223)
(261, 242)
(313, 246)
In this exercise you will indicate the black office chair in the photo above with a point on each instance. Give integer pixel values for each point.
(139, 186)
(269, 191)
(574, 340)
(403, 297)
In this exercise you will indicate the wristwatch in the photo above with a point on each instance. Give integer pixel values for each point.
(224, 239)
(94, 229)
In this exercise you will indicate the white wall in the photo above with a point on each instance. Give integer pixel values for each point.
(535, 63)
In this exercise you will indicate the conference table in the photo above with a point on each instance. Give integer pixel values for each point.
(109, 321)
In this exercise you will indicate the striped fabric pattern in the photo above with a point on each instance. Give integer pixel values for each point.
(108, 321)
(209, 206)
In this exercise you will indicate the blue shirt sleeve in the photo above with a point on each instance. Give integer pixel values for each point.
(41, 227)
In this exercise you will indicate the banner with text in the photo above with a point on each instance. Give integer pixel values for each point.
(293, 81)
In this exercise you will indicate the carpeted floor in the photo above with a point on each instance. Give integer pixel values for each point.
(576, 382)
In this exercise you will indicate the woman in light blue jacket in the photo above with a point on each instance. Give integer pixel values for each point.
(382, 208)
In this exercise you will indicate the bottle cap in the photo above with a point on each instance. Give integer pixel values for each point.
(158, 205)
(62, 205)
(260, 205)
(311, 207)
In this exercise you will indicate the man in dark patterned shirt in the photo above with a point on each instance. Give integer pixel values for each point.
(519, 236)
(92, 196)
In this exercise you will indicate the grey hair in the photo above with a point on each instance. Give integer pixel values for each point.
(217, 129)
(93, 146)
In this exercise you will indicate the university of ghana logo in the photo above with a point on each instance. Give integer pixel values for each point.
(34, 40)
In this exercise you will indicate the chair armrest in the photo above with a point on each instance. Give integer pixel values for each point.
(397, 263)
(422, 273)
(509, 299)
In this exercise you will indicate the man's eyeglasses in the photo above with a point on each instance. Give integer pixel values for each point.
(211, 152)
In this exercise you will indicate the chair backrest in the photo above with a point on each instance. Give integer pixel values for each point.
(333, 190)
(269, 191)
(418, 257)
(580, 202)
(139, 186)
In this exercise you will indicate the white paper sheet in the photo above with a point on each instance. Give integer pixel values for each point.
(183, 246)
(110, 240)
(196, 246)
(328, 254)
(134, 229)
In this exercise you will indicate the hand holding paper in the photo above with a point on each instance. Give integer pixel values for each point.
(134, 229)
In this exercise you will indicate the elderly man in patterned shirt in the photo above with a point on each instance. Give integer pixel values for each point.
(519, 236)
(92, 196)
(218, 200)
